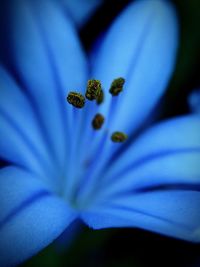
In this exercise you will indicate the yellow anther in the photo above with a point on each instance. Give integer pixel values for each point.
(118, 137)
(93, 89)
(117, 86)
(76, 99)
(98, 121)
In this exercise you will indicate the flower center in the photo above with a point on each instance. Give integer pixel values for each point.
(89, 143)
(95, 92)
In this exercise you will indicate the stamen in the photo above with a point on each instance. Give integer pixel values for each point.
(76, 99)
(93, 89)
(98, 121)
(117, 86)
(100, 98)
(118, 137)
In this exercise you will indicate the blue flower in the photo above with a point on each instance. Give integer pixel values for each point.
(60, 168)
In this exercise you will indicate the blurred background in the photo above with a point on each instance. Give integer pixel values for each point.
(133, 247)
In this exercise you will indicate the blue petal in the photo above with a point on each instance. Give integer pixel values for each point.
(172, 213)
(81, 10)
(21, 140)
(155, 183)
(194, 101)
(168, 153)
(141, 47)
(49, 62)
(31, 216)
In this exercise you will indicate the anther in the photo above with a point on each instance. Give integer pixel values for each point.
(76, 99)
(118, 137)
(117, 86)
(100, 98)
(93, 89)
(97, 121)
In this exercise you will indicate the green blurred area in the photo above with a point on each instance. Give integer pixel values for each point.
(119, 248)
(89, 247)
(83, 251)
(186, 76)
(188, 56)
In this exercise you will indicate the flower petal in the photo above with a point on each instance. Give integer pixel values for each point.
(141, 47)
(31, 216)
(155, 183)
(173, 213)
(48, 61)
(168, 153)
(21, 140)
(81, 10)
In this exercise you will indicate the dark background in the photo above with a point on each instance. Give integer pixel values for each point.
(132, 247)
